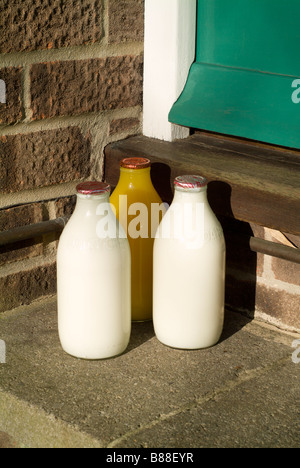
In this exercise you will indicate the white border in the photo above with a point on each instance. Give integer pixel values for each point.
(170, 41)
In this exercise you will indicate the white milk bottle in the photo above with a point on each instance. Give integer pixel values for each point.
(94, 278)
(189, 270)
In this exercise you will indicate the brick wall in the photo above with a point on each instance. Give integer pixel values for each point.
(73, 75)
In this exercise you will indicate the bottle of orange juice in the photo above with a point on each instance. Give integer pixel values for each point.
(139, 210)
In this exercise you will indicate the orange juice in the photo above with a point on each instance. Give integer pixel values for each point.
(139, 210)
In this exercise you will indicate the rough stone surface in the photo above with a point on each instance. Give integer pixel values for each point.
(78, 87)
(123, 125)
(11, 111)
(243, 392)
(126, 20)
(47, 24)
(253, 416)
(43, 158)
(23, 215)
(65, 206)
(22, 287)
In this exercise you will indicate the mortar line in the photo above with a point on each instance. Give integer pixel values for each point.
(268, 320)
(27, 264)
(84, 52)
(26, 94)
(268, 270)
(55, 123)
(106, 22)
(39, 195)
(213, 395)
(280, 285)
(265, 281)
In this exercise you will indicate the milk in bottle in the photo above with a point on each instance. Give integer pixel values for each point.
(189, 270)
(93, 275)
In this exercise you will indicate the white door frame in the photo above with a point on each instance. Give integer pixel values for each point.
(170, 42)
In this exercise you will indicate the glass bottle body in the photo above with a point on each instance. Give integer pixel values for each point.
(93, 275)
(189, 274)
(139, 210)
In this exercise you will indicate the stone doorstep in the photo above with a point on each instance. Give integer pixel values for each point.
(243, 392)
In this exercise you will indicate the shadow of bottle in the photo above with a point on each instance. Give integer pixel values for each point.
(241, 262)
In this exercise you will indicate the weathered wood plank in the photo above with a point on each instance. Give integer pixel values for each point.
(252, 183)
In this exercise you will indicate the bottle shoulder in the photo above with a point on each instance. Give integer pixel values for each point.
(98, 226)
(140, 189)
(194, 225)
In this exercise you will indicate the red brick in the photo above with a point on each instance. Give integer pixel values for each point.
(25, 286)
(250, 297)
(283, 270)
(288, 272)
(23, 215)
(65, 206)
(126, 20)
(78, 87)
(47, 24)
(43, 158)
(278, 304)
(11, 111)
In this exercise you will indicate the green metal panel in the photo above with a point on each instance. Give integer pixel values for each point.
(246, 78)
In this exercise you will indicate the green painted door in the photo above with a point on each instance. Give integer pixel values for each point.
(246, 77)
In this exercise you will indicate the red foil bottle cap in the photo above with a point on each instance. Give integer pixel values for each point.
(135, 163)
(93, 188)
(190, 182)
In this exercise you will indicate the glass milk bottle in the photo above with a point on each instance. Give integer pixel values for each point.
(189, 270)
(139, 209)
(93, 274)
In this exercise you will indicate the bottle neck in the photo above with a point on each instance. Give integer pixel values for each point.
(87, 205)
(135, 177)
(190, 196)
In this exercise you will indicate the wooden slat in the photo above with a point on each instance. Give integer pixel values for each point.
(249, 182)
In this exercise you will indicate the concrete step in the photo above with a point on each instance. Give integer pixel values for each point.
(244, 392)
